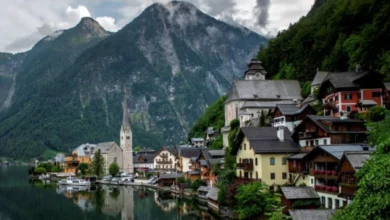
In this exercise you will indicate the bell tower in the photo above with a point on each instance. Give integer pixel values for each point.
(126, 139)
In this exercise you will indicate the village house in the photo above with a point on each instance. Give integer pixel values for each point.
(166, 159)
(143, 162)
(290, 115)
(82, 154)
(185, 156)
(263, 153)
(323, 130)
(299, 198)
(197, 142)
(347, 93)
(350, 163)
(211, 134)
(323, 163)
(248, 99)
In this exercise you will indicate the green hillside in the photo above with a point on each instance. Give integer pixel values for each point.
(334, 36)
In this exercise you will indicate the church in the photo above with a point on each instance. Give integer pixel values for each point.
(110, 151)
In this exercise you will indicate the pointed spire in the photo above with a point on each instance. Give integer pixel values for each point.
(125, 122)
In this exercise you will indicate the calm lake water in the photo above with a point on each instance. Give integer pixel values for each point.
(21, 199)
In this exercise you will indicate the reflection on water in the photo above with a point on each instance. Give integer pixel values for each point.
(21, 199)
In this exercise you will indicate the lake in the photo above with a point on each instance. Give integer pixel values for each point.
(23, 199)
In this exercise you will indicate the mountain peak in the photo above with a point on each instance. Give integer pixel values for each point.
(90, 25)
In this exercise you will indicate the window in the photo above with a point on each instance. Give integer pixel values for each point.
(312, 143)
(257, 175)
(272, 176)
(244, 146)
(347, 96)
(323, 200)
(330, 203)
(312, 181)
(240, 174)
(376, 94)
(337, 203)
(128, 137)
(325, 141)
(316, 142)
(348, 108)
(256, 161)
(284, 161)
(284, 176)
(336, 98)
(307, 143)
(272, 161)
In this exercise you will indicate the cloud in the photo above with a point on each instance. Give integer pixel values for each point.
(28, 21)
(108, 23)
(70, 17)
(261, 12)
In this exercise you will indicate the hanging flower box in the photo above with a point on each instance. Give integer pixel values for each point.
(334, 189)
(334, 173)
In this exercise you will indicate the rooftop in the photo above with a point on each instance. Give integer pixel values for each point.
(189, 152)
(319, 78)
(104, 147)
(213, 193)
(291, 109)
(357, 159)
(298, 156)
(265, 140)
(217, 153)
(299, 193)
(264, 89)
(337, 150)
(312, 214)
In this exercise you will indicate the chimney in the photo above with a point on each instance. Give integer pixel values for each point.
(280, 133)
(358, 68)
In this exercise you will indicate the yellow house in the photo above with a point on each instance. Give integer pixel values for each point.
(82, 154)
(263, 153)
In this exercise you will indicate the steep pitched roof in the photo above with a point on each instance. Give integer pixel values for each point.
(319, 78)
(217, 153)
(344, 79)
(312, 214)
(299, 192)
(189, 152)
(264, 89)
(147, 158)
(357, 159)
(265, 140)
(322, 122)
(213, 193)
(337, 150)
(292, 109)
(298, 156)
(104, 147)
(84, 150)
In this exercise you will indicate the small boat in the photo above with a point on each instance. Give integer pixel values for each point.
(74, 182)
(44, 177)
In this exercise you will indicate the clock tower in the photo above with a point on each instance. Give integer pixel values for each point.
(126, 139)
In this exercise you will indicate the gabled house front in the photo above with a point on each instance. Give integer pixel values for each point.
(324, 130)
(262, 154)
(290, 115)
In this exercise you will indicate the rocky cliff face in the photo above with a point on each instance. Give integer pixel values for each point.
(173, 59)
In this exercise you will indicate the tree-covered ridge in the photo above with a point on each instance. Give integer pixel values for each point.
(336, 35)
(214, 116)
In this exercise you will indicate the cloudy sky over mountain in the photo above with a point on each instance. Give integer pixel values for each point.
(24, 22)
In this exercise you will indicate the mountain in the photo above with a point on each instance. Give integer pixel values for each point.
(173, 59)
(336, 35)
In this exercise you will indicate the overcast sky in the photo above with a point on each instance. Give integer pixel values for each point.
(24, 22)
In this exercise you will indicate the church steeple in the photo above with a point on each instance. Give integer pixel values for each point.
(126, 139)
(125, 121)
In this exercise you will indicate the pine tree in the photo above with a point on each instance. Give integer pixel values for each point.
(97, 164)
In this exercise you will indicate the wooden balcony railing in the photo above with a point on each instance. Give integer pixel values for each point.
(327, 174)
(329, 189)
(245, 166)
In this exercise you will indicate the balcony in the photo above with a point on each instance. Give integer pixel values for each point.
(326, 174)
(308, 134)
(164, 161)
(245, 166)
(326, 189)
